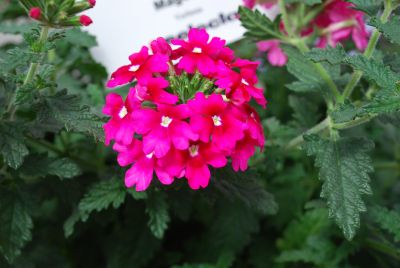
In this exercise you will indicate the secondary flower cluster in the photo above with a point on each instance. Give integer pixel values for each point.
(179, 129)
(64, 16)
(337, 21)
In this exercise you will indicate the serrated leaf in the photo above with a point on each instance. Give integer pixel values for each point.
(67, 110)
(307, 2)
(41, 165)
(103, 195)
(390, 29)
(304, 70)
(245, 188)
(258, 26)
(305, 112)
(12, 144)
(385, 101)
(374, 71)
(370, 7)
(388, 220)
(157, 209)
(344, 112)
(332, 55)
(17, 57)
(344, 166)
(77, 37)
(15, 224)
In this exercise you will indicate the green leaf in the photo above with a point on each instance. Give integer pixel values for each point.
(385, 101)
(258, 26)
(388, 220)
(307, 2)
(67, 110)
(12, 144)
(157, 209)
(374, 71)
(344, 166)
(304, 71)
(245, 188)
(16, 224)
(390, 29)
(103, 195)
(344, 112)
(41, 165)
(370, 7)
(100, 196)
(332, 55)
(305, 112)
(77, 37)
(15, 28)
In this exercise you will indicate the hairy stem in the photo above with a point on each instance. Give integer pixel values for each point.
(314, 130)
(323, 73)
(355, 78)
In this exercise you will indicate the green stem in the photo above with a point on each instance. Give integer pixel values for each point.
(34, 66)
(285, 18)
(354, 123)
(325, 124)
(355, 78)
(323, 73)
(383, 248)
(314, 130)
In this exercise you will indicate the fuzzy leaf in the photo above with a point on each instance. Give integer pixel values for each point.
(258, 26)
(388, 220)
(12, 145)
(67, 110)
(246, 189)
(307, 2)
(374, 71)
(77, 37)
(15, 224)
(41, 165)
(103, 195)
(390, 29)
(370, 7)
(304, 71)
(385, 101)
(332, 55)
(157, 209)
(344, 112)
(344, 166)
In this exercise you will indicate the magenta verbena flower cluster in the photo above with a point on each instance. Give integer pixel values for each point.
(178, 129)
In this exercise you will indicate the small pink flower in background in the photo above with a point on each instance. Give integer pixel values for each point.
(85, 20)
(143, 66)
(181, 131)
(92, 3)
(264, 3)
(340, 21)
(35, 13)
(276, 56)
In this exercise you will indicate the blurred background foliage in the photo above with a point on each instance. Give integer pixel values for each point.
(91, 220)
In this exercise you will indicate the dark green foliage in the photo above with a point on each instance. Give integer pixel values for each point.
(390, 29)
(344, 167)
(63, 202)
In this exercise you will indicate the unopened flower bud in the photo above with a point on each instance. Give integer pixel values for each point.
(85, 20)
(35, 13)
(92, 3)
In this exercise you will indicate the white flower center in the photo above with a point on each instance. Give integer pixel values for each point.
(165, 121)
(134, 68)
(123, 112)
(194, 150)
(217, 120)
(150, 155)
(197, 50)
(244, 82)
